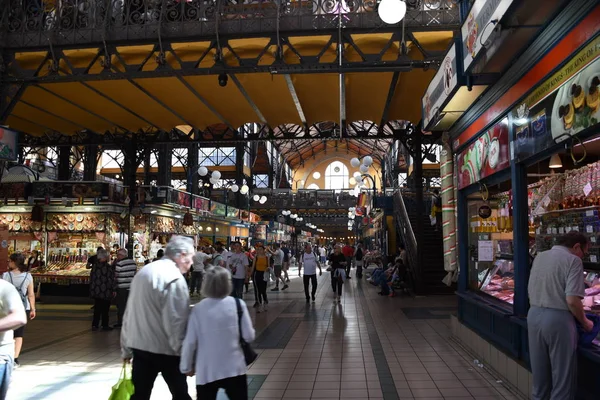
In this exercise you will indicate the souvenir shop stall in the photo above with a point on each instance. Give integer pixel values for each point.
(527, 178)
(278, 232)
(259, 232)
(24, 235)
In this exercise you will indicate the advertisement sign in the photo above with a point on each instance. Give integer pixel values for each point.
(441, 87)
(201, 204)
(564, 105)
(8, 144)
(233, 212)
(484, 157)
(180, 197)
(70, 190)
(217, 209)
(478, 26)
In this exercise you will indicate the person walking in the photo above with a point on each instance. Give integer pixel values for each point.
(358, 257)
(12, 317)
(286, 261)
(103, 288)
(211, 348)
(199, 261)
(556, 287)
(338, 272)
(22, 280)
(237, 263)
(278, 267)
(323, 254)
(310, 261)
(348, 252)
(125, 269)
(260, 266)
(155, 321)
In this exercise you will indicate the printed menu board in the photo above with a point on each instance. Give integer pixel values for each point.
(484, 157)
(564, 105)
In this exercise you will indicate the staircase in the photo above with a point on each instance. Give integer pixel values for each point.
(429, 275)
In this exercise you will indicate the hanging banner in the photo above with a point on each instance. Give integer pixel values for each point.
(442, 86)
(484, 157)
(478, 27)
(8, 145)
(564, 105)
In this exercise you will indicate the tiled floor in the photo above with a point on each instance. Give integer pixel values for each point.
(368, 347)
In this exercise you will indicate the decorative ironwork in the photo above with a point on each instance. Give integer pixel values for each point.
(80, 22)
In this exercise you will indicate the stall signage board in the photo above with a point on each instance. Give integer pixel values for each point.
(217, 209)
(478, 27)
(485, 250)
(563, 106)
(8, 144)
(70, 190)
(444, 82)
(484, 157)
(233, 212)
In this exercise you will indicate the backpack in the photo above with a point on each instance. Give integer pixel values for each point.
(20, 289)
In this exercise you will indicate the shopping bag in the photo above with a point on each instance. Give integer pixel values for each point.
(124, 389)
(433, 220)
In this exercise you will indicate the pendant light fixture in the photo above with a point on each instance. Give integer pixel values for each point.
(555, 162)
(391, 11)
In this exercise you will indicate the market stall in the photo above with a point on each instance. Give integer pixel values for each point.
(525, 180)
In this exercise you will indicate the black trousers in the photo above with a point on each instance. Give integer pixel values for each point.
(236, 388)
(196, 282)
(336, 283)
(122, 296)
(260, 287)
(348, 265)
(101, 307)
(146, 367)
(310, 279)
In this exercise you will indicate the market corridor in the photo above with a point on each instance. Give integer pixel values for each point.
(367, 347)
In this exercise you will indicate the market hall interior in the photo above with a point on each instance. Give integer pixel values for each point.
(422, 154)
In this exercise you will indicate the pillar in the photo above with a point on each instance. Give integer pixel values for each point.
(419, 225)
(64, 163)
(164, 165)
(90, 162)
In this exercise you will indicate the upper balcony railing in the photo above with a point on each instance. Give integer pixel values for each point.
(35, 23)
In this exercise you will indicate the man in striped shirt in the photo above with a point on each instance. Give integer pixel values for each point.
(125, 270)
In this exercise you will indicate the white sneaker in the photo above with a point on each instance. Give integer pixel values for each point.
(335, 298)
(265, 306)
(259, 309)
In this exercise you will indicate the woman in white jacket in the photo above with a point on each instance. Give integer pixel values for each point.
(211, 348)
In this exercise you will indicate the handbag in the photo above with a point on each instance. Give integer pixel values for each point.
(249, 353)
(124, 389)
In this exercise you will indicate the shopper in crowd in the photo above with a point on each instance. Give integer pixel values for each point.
(278, 255)
(211, 349)
(92, 259)
(103, 288)
(250, 256)
(323, 254)
(159, 255)
(338, 272)
(34, 261)
(155, 321)
(358, 257)
(237, 264)
(199, 262)
(12, 317)
(403, 255)
(260, 267)
(556, 287)
(125, 270)
(286, 261)
(219, 256)
(310, 261)
(348, 252)
(22, 280)
(436, 209)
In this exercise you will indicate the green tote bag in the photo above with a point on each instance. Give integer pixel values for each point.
(124, 389)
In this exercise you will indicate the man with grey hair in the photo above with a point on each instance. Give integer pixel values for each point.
(125, 269)
(155, 321)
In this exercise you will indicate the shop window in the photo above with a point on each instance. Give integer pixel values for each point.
(336, 176)
(261, 180)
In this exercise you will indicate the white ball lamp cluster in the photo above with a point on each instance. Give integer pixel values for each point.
(391, 11)
(363, 168)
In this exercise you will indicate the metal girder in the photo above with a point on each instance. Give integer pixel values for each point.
(296, 99)
(204, 65)
(79, 23)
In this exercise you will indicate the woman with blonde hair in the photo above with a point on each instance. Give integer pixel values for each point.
(212, 346)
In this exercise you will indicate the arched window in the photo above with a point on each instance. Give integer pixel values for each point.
(313, 186)
(336, 176)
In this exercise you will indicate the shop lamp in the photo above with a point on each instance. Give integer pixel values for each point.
(263, 200)
(356, 175)
(153, 212)
(355, 162)
(202, 171)
(364, 169)
(256, 197)
(555, 161)
(391, 11)
(234, 188)
(244, 189)
(368, 160)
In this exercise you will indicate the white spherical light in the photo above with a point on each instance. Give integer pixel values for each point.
(244, 189)
(234, 188)
(355, 162)
(256, 197)
(263, 200)
(364, 169)
(368, 160)
(356, 175)
(352, 181)
(216, 175)
(317, 175)
(214, 181)
(202, 171)
(391, 11)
